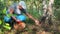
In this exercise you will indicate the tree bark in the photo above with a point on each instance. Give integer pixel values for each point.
(47, 12)
(50, 11)
(44, 11)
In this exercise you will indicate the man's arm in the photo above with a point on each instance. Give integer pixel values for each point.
(29, 15)
(25, 12)
(11, 12)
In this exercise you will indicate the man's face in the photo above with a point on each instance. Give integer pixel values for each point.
(20, 7)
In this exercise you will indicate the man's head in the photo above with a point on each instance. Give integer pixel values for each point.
(22, 5)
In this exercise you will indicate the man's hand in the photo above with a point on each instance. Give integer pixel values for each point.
(37, 22)
(17, 20)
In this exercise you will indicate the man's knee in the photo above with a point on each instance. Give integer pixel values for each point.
(6, 19)
(21, 17)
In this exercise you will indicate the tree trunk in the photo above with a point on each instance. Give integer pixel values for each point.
(47, 11)
(44, 11)
(50, 11)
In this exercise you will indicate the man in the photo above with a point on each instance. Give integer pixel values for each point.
(18, 10)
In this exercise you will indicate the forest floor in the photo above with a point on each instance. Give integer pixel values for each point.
(33, 29)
